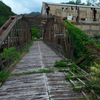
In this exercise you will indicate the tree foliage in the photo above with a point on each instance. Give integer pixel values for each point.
(79, 38)
(35, 33)
(5, 13)
(81, 44)
(97, 4)
(4, 75)
(77, 2)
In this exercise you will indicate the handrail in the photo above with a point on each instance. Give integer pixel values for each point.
(14, 33)
(5, 29)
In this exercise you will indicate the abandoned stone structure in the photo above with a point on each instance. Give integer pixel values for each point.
(86, 18)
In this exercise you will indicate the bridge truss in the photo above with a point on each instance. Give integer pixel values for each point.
(17, 32)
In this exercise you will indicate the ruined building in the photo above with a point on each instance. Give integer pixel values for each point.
(86, 18)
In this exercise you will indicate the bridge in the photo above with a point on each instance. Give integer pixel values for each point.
(35, 77)
(16, 32)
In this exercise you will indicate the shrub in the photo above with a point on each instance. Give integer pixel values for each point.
(10, 54)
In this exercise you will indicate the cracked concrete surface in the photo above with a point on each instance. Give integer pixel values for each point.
(38, 86)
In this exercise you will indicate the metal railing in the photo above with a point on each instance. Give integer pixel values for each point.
(14, 33)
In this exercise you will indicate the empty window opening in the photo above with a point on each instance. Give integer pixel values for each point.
(91, 8)
(83, 19)
(47, 10)
(72, 8)
(62, 9)
(94, 14)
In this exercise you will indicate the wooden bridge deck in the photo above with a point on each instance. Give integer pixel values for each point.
(38, 86)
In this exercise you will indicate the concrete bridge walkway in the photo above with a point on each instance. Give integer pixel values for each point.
(38, 86)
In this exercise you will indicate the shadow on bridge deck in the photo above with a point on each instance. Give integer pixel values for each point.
(38, 86)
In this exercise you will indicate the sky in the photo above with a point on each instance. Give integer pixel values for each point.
(28, 6)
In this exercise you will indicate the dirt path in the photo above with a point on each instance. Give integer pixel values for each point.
(38, 86)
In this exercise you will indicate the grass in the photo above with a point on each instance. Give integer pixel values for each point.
(60, 64)
(78, 73)
(3, 76)
(33, 72)
(91, 84)
(75, 77)
(95, 81)
(74, 69)
(64, 85)
(62, 70)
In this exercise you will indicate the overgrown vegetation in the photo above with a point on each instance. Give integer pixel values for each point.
(83, 46)
(12, 55)
(33, 72)
(80, 40)
(5, 13)
(95, 72)
(75, 74)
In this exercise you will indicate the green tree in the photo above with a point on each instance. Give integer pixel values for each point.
(70, 2)
(97, 4)
(2, 20)
(5, 13)
(78, 1)
(35, 33)
(89, 3)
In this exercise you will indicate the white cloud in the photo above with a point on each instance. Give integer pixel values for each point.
(27, 6)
